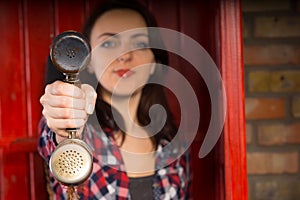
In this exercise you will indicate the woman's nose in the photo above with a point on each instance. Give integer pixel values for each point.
(125, 57)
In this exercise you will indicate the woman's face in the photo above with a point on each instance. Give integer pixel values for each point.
(121, 62)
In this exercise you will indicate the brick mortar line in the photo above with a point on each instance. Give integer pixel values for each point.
(292, 41)
(267, 95)
(288, 148)
(271, 94)
(289, 107)
(288, 67)
(276, 177)
(279, 13)
(272, 121)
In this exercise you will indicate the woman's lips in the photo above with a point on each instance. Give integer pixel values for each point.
(124, 73)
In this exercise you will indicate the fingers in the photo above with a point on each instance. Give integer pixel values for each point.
(67, 106)
(65, 89)
(62, 124)
(64, 95)
(90, 98)
(63, 113)
(62, 101)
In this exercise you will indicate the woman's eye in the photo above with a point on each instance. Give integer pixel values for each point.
(141, 45)
(108, 44)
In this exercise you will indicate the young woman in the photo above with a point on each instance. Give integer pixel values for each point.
(128, 162)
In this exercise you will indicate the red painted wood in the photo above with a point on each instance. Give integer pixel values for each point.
(197, 20)
(15, 182)
(19, 145)
(166, 13)
(203, 172)
(1, 174)
(90, 5)
(233, 76)
(12, 87)
(37, 42)
(15, 166)
(69, 15)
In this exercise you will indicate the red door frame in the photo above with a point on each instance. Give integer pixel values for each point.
(231, 43)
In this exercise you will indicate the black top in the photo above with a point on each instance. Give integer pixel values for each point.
(141, 188)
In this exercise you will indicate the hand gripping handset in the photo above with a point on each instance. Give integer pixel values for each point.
(71, 162)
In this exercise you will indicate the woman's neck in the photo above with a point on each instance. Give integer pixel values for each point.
(137, 148)
(126, 106)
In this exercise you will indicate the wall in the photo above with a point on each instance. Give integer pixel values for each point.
(272, 87)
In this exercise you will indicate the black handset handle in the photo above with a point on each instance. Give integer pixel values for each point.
(70, 54)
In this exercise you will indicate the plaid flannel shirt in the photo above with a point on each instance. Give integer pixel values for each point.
(109, 179)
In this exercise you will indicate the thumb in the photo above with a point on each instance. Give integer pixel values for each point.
(90, 98)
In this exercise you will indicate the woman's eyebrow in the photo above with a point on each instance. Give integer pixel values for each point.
(108, 34)
(139, 35)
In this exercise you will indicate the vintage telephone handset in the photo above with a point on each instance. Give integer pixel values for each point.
(71, 162)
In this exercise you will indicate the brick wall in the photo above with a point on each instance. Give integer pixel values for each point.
(271, 30)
